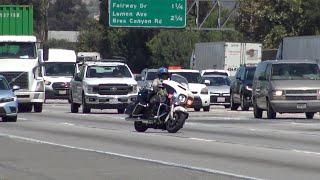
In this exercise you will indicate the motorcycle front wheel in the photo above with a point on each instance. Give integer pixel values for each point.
(140, 126)
(175, 124)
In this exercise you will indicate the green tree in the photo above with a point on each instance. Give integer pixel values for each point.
(91, 37)
(67, 15)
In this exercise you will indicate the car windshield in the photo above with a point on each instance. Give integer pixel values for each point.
(17, 50)
(151, 76)
(297, 71)
(108, 72)
(59, 69)
(250, 73)
(218, 81)
(216, 73)
(3, 84)
(192, 77)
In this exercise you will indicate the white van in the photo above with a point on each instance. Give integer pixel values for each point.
(57, 73)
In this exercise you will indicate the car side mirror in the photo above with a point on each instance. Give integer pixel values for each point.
(77, 77)
(207, 82)
(15, 88)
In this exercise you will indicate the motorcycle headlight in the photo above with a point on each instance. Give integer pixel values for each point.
(205, 90)
(249, 88)
(182, 99)
(8, 99)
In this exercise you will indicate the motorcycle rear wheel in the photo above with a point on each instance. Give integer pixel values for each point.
(174, 125)
(140, 126)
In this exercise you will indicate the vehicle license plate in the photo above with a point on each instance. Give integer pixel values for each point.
(113, 101)
(221, 99)
(301, 106)
(63, 92)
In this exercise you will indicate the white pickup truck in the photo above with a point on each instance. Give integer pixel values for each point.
(103, 84)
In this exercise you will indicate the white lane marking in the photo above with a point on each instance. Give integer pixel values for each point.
(252, 129)
(68, 124)
(205, 140)
(306, 152)
(22, 119)
(166, 163)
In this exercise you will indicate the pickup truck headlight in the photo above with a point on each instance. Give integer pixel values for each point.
(278, 93)
(8, 99)
(204, 90)
(89, 89)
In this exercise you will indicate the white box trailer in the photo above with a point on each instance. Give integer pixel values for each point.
(225, 55)
(300, 47)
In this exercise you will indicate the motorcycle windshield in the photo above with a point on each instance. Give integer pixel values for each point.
(179, 79)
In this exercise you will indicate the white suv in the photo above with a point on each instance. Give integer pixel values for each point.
(199, 90)
(106, 84)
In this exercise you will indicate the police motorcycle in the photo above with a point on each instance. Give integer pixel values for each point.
(169, 114)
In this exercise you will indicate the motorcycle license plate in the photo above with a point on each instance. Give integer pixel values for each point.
(62, 92)
(301, 106)
(221, 99)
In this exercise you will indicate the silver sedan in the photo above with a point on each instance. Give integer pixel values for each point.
(219, 88)
(8, 101)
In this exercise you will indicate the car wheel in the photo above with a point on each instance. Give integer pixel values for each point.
(310, 115)
(197, 109)
(244, 106)
(257, 112)
(140, 126)
(38, 107)
(206, 109)
(74, 108)
(271, 114)
(233, 106)
(85, 108)
(10, 119)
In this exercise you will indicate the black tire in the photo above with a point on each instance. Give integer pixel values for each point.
(206, 109)
(140, 126)
(310, 115)
(197, 109)
(74, 108)
(174, 125)
(244, 106)
(233, 105)
(10, 119)
(24, 108)
(271, 114)
(38, 107)
(121, 110)
(227, 106)
(257, 112)
(85, 108)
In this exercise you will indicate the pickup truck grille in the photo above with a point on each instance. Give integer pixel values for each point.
(301, 91)
(297, 98)
(113, 89)
(17, 78)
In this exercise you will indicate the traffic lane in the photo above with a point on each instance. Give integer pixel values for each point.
(240, 159)
(21, 159)
(221, 129)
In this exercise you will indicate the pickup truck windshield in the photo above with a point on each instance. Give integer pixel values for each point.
(297, 71)
(218, 81)
(192, 77)
(108, 72)
(3, 84)
(59, 69)
(17, 50)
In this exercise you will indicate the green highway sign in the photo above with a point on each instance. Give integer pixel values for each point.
(147, 13)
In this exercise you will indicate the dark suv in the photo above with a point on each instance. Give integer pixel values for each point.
(241, 88)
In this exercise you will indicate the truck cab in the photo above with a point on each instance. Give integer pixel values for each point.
(19, 64)
(57, 73)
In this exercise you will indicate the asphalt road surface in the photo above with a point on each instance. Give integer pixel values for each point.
(220, 144)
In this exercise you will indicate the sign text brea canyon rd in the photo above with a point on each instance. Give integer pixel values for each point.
(147, 13)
